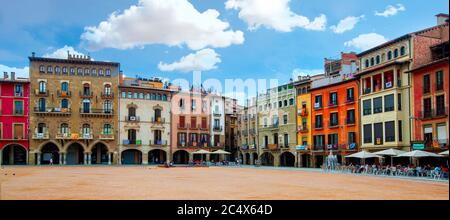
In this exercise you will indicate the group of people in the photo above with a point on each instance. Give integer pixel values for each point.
(399, 170)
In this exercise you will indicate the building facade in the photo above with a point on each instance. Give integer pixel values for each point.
(14, 101)
(385, 88)
(304, 131)
(248, 130)
(277, 126)
(217, 117)
(73, 110)
(231, 109)
(430, 103)
(144, 121)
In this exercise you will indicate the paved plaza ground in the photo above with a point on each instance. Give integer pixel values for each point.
(182, 183)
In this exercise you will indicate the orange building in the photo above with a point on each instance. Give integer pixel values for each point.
(335, 125)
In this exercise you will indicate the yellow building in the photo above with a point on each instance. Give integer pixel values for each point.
(304, 136)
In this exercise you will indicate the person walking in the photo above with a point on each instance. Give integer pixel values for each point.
(51, 160)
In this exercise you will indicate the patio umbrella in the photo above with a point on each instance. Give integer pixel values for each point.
(363, 155)
(445, 153)
(201, 152)
(390, 152)
(220, 152)
(418, 154)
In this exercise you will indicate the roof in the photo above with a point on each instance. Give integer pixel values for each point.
(17, 80)
(395, 62)
(334, 84)
(406, 36)
(434, 62)
(73, 61)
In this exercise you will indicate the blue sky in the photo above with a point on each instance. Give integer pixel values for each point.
(251, 46)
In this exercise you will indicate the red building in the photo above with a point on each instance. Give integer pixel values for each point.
(14, 100)
(430, 100)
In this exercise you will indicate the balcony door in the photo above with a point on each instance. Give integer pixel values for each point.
(132, 136)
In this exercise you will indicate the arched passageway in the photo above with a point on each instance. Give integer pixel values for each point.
(247, 158)
(100, 154)
(131, 157)
(50, 151)
(255, 158)
(157, 157)
(181, 157)
(14, 154)
(267, 159)
(75, 154)
(287, 159)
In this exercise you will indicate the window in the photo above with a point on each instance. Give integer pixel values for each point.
(18, 131)
(333, 98)
(64, 70)
(439, 80)
(107, 129)
(94, 72)
(319, 122)
(334, 121)
(378, 59)
(108, 72)
(49, 69)
(285, 103)
(132, 112)
(291, 101)
(18, 90)
(41, 105)
(332, 141)
(18, 107)
(41, 69)
(86, 130)
(319, 142)
(367, 107)
(350, 95)
(159, 97)
(87, 72)
(100, 72)
(377, 105)
(442, 132)
(141, 95)
(132, 136)
(79, 72)
(107, 107)
(389, 103)
(86, 89)
(402, 50)
(395, 53)
(64, 129)
(154, 98)
(351, 138)
(124, 94)
(275, 121)
(389, 128)
(378, 133)
(426, 84)
(389, 55)
(72, 71)
(367, 133)
(193, 105)
(64, 103)
(182, 139)
(285, 119)
(86, 106)
(180, 103)
(130, 95)
(57, 70)
(42, 87)
(164, 97)
(372, 61)
(367, 63)
(318, 102)
(440, 105)
(135, 95)
(107, 89)
(280, 104)
(65, 87)
(351, 116)
(399, 102)
(286, 140)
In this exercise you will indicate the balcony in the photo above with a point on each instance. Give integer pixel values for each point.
(18, 94)
(41, 136)
(318, 147)
(332, 147)
(41, 93)
(350, 100)
(303, 112)
(132, 118)
(318, 106)
(106, 136)
(303, 128)
(87, 136)
(86, 95)
(66, 136)
(193, 144)
(181, 144)
(217, 128)
(194, 127)
(433, 113)
(64, 94)
(182, 126)
(332, 104)
(158, 120)
(92, 112)
(217, 114)
(158, 143)
(204, 127)
(132, 142)
(272, 147)
(53, 111)
(107, 95)
(350, 121)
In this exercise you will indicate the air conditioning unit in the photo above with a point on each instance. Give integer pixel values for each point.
(132, 118)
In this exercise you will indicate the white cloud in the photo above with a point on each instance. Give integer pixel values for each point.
(346, 24)
(168, 22)
(391, 10)
(366, 41)
(62, 53)
(274, 14)
(202, 60)
(20, 72)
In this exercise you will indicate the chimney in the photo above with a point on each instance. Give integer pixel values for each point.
(13, 76)
(5, 75)
(442, 18)
(33, 54)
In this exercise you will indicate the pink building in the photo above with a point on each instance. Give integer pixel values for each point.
(14, 100)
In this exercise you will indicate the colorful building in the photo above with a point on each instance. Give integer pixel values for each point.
(231, 127)
(14, 101)
(74, 110)
(385, 88)
(304, 131)
(144, 121)
(430, 100)
(248, 132)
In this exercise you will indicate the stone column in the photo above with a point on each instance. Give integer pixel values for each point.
(109, 158)
(251, 159)
(276, 160)
(89, 158)
(38, 158)
(26, 157)
(145, 158)
(298, 160)
(208, 157)
(191, 157)
(85, 158)
(60, 158)
(64, 158)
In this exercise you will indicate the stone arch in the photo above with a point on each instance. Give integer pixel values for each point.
(131, 156)
(287, 159)
(100, 153)
(60, 148)
(13, 151)
(66, 146)
(267, 159)
(157, 156)
(91, 146)
(181, 157)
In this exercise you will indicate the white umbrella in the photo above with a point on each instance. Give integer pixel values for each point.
(390, 152)
(418, 154)
(220, 152)
(445, 153)
(201, 152)
(363, 155)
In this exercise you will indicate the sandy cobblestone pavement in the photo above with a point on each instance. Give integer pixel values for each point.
(142, 183)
